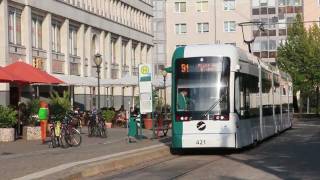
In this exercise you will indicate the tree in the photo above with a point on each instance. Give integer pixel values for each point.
(298, 56)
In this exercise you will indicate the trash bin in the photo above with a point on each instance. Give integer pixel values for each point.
(133, 130)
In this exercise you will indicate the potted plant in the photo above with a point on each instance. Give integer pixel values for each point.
(108, 116)
(147, 121)
(32, 130)
(8, 118)
(59, 105)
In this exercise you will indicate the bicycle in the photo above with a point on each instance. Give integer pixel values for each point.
(96, 126)
(69, 133)
(63, 134)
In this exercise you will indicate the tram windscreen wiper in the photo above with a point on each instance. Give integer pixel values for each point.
(212, 106)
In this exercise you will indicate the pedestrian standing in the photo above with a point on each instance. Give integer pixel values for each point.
(43, 117)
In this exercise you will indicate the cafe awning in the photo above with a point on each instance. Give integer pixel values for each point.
(77, 80)
(28, 74)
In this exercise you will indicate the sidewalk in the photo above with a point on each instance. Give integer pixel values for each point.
(22, 158)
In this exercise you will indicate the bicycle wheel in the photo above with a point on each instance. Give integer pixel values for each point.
(74, 137)
(54, 143)
(103, 130)
(90, 130)
(63, 139)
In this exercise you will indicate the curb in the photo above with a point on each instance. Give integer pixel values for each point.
(116, 163)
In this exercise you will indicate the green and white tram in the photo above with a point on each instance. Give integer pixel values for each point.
(223, 97)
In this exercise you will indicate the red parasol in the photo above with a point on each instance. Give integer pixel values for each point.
(26, 73)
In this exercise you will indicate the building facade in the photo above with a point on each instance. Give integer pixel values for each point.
(159, 32)
(62, 37)
(277, 15)
(311, 12)
(206, 22)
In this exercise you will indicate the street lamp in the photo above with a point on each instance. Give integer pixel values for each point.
(98, 60)
(164, 74)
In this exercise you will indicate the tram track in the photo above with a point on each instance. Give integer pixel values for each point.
(191, 170)
(158, 164)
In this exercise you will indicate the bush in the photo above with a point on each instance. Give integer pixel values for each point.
(8, 117)
(32, 109)
(108, 115)
(59, 106)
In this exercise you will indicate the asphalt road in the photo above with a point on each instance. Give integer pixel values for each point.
(293, 154)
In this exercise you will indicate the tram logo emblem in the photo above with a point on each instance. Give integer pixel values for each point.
(201, 126)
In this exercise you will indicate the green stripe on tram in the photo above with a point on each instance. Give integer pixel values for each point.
(177, 126)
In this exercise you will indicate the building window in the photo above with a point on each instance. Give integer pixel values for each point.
(56, 43)
(124, 54)
(203, 27)
(255, 11)
(73, 41)
(272, 45)
(229, 26)
(181, 28)
(14, 26)
(202, 6)
(180, 6)
(113, 51)
(133, 56)
(36, 32)
(229, 5)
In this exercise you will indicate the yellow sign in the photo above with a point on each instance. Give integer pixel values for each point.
(144, 70)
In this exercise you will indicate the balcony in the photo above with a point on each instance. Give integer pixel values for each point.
(17, 49)
(39, 53)
(16, 52)
(58, 63)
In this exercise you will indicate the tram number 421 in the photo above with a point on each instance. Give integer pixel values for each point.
(201, 142)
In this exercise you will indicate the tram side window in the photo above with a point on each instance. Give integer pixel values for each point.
(246, 92)
(266, 93)
(277, 100)
(284, 99)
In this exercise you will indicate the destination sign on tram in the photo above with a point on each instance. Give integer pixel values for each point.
(201, 67)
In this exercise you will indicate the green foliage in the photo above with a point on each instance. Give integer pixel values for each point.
(299, 56)
(32, 109)
(8, 117)
(108, 115)
(59, 106)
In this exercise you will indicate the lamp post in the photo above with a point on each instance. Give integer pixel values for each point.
(164, 74)
(98, 60)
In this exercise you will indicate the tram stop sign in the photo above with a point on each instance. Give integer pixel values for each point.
(145, 88)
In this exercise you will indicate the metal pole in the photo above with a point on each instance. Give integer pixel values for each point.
(98, 71)
(165, 98)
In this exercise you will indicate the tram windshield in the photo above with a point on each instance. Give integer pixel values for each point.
(202, 82)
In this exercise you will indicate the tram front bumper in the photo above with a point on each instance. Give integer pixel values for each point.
(204, 141)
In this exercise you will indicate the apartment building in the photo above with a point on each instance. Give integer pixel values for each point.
(311, 12)
(277, 15)
(206, 21)
(159, 32)
(62, 37)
